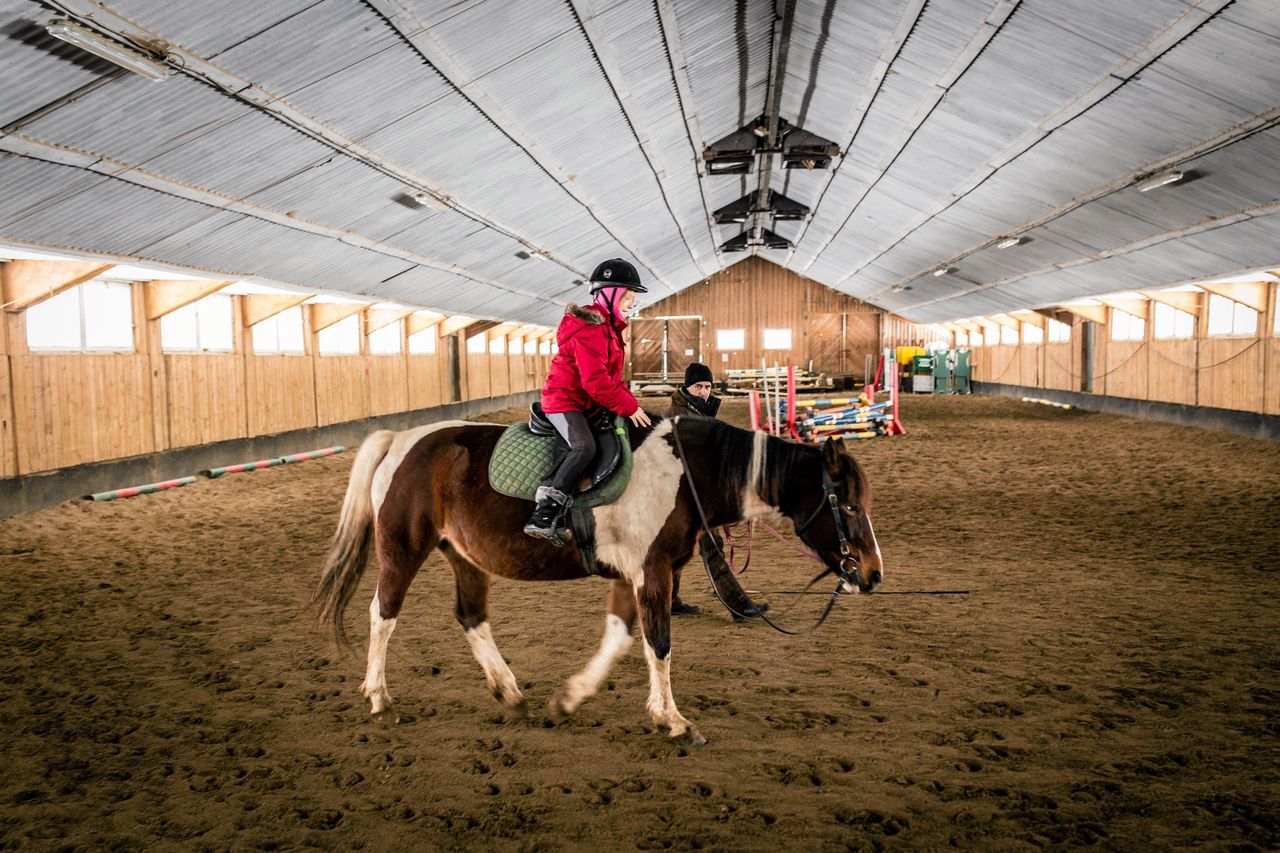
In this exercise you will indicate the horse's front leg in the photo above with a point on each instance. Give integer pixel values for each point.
(654, 600)
(615, 643)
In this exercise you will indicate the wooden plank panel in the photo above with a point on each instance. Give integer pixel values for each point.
(1126, 369)
(342, 390)
(1060, 368)
(387, 383)
(280, 393)
(827, 349)
(477, 376)
(1171, 374)
(8, 457)
(753, 295)
(423, 378)
(1271, 375)
(206, 398)
(1231, 373)
(684, 345)
(645, 352)
(78, 408)
(499, 375)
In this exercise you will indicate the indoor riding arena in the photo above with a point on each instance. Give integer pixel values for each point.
(953, 522)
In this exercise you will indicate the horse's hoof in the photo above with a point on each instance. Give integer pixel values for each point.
(386, 717)
(518, 711)
(559, 711)
(691, 737)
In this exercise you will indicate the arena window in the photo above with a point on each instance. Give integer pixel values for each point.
(731, 340)
(342, 338)
(1059, 333)
(1032, 334)
(96, 316)
(476, 344)
(1228, 318)
(1008, 335)
(1127, 327)
(386, 341)
(777, 339)
(962, 339)
(976, 339)
(280, 334)
(513, 346)
(203, 326)
(544, 348)
(1170, 323)
(530, 347)
(423, 343)
(498, 345)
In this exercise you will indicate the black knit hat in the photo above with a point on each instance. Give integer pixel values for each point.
(696, 373)
(616, 272)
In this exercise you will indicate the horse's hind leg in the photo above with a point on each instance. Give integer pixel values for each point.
(472, 609)
(621, 615)
(398, 564)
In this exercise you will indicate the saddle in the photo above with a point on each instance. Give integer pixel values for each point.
(527, 453)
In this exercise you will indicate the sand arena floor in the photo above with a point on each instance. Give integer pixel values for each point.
(1110, 680)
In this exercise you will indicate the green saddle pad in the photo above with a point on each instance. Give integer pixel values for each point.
(523, 461)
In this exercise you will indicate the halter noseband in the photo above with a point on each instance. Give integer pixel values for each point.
(849, 570)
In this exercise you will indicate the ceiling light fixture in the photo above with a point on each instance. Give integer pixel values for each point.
(126, 58)
(426, 199)
(1160, 180)
(940, 271)
(1010, 242)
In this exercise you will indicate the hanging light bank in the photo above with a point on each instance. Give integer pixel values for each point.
(1160, 180)
(113, 52)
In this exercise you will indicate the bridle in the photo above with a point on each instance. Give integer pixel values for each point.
(830, 498)
(849, 570)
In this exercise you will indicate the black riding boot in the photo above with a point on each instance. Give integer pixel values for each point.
(548, 516)
(726, 582)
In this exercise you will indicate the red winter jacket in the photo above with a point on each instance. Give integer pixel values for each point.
(587, 371)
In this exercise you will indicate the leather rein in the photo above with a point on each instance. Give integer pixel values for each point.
(848, 573)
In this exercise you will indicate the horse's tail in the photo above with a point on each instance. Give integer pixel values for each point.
(349, 550)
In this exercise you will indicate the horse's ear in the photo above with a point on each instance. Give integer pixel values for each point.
(832, 450)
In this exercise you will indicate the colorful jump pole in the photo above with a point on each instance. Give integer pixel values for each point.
(895, 426)
(292, 458)
(791, 404)
(149, 488)
(753, 405)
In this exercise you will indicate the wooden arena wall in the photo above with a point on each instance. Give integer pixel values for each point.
(1240, 373)
(59, 410)
(754, 295)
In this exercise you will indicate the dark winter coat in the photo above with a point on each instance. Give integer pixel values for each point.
(684, 403)
(586, 373)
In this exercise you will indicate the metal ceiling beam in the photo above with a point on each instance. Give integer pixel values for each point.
(1226, 219)
(587, 12)
(1115, 77)
(987, 30)
(783, 17)
(107, 21)
(679, 65)
(15, 143)
(466, 84)
(888, 54)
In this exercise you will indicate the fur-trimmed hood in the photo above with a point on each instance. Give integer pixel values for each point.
(588, 314)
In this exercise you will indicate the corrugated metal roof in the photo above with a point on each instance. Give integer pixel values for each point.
(563, 127)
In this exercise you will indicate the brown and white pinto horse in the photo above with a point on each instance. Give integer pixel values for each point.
(428, 488)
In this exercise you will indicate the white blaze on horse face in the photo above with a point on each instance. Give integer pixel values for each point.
(626, 528)
(375, 677)
(502, 682)
(615, 644)
(400, 447)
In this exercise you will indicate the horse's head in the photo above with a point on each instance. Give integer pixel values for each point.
(836, 521)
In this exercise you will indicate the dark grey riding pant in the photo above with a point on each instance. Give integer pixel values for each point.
(575, 431)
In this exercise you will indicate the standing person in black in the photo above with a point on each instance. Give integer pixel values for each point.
(694, 399)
